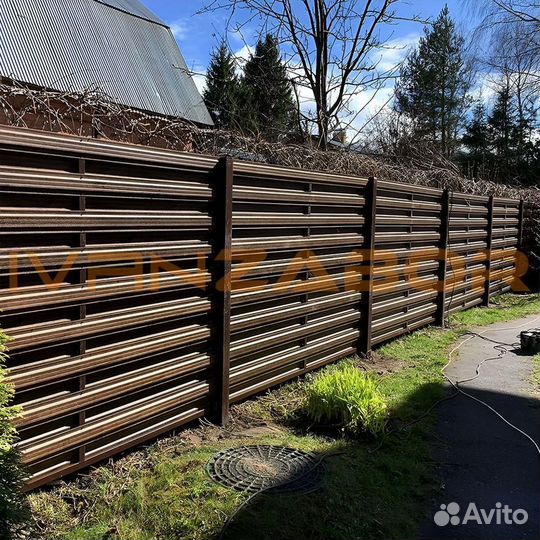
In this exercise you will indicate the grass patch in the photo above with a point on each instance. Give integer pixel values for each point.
(536, 373)
(506, 307)
(425, 352)
(345, 396)
(418, 385)
(164, 492)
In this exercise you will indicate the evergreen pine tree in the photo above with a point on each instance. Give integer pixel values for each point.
(268, 105)
(503, 129)
(221, 94)
(476, 140)
(433, 84)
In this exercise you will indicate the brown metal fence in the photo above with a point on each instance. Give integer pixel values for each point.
(147, 288)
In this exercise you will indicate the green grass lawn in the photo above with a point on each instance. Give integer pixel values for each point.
(373, 489)
(504, 308)
(535, 380)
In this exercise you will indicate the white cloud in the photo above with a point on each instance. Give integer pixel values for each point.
(179, 28)
(395, 51)
(198, 74)
(242, 55)
(367, 103)
(200, 81)
(484, 87)
(372, 100)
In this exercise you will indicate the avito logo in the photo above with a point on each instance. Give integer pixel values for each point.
(500, 515)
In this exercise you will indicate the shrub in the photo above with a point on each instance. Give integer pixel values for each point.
(346, 396)
(13, 510)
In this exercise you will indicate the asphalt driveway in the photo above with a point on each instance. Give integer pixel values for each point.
(484, 465)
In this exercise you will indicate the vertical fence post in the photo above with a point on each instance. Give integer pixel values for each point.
(221, 279)
(521, 223)
(489, 244)
(370, 218)
(440, 314)
(82, 307)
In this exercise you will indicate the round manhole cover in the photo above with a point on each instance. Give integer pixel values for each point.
(256, 468)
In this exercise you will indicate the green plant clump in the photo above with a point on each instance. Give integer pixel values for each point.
(13, 510)
(536, 372)
(346, 396)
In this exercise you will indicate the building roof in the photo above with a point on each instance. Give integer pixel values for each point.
(117, 46)
(133, 7)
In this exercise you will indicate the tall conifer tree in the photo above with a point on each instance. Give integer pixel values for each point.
(221, 94)
(433, 86)
(268, 105)
(476, 140)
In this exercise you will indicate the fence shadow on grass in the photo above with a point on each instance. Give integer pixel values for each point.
(394, 491)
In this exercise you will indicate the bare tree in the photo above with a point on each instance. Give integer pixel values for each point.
(501, 11)
(330, 47)
(523, 16)
(517, 65)
(386, 134)
(512, 59)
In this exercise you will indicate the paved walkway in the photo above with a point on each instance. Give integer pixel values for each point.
(481, 459)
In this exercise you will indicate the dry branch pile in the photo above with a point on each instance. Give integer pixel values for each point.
(93, 114)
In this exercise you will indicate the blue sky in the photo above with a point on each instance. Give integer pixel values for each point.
(198, 34)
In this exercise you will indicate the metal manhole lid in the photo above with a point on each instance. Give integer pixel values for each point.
(259, 467)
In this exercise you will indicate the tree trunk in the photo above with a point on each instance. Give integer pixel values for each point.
(323, 127)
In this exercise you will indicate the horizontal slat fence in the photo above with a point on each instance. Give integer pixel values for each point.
(469, 226)
(407, 235)
(296, 242)
(109, 348)
(145, 288)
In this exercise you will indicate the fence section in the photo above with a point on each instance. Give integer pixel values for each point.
(297, 248)
(469, 232)
(103, 262)
(146, 288)
(507, 231)
(407, 238)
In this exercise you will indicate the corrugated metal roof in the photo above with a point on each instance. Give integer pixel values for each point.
(124, 50)
(134, 7)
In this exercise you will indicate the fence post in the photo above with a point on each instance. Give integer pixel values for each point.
(221, 281)
(370, 218)
(81, 349)
(521, 219)
(489, 244)
(440, 314)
